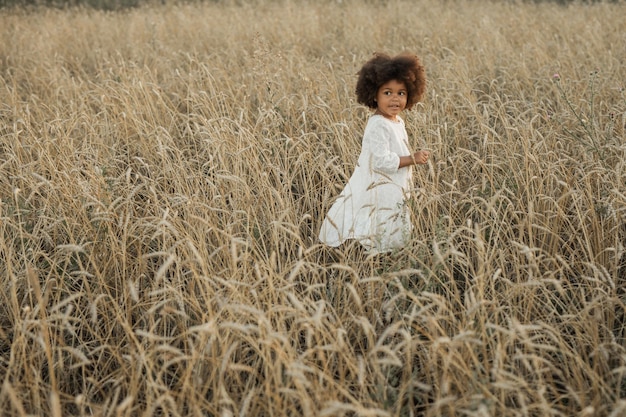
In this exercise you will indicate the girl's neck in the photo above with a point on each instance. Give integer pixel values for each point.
(386, 116)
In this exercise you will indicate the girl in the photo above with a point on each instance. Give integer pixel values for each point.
(371, 208)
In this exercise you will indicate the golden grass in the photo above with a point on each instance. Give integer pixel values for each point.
(165, 171)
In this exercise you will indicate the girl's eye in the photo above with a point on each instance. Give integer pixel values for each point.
(403, 93)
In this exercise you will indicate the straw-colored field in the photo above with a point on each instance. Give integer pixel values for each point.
(165, 170)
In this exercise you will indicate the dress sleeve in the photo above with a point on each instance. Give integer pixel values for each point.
(383, 159)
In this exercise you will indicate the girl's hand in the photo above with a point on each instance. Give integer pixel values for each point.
(421, 157)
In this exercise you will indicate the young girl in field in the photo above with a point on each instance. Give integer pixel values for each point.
(371, 209)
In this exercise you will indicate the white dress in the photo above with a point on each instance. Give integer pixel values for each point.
(371, 208)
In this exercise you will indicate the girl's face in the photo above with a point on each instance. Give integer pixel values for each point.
(391, 99)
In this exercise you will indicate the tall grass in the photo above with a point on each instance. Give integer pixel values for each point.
(165, 171)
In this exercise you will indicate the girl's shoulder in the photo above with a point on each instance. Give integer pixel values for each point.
(381, 127)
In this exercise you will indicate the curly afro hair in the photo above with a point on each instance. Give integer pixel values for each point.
(382, 68)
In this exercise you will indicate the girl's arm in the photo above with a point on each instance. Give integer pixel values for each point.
(419, 157)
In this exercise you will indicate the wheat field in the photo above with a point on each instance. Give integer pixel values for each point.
(165, 170)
